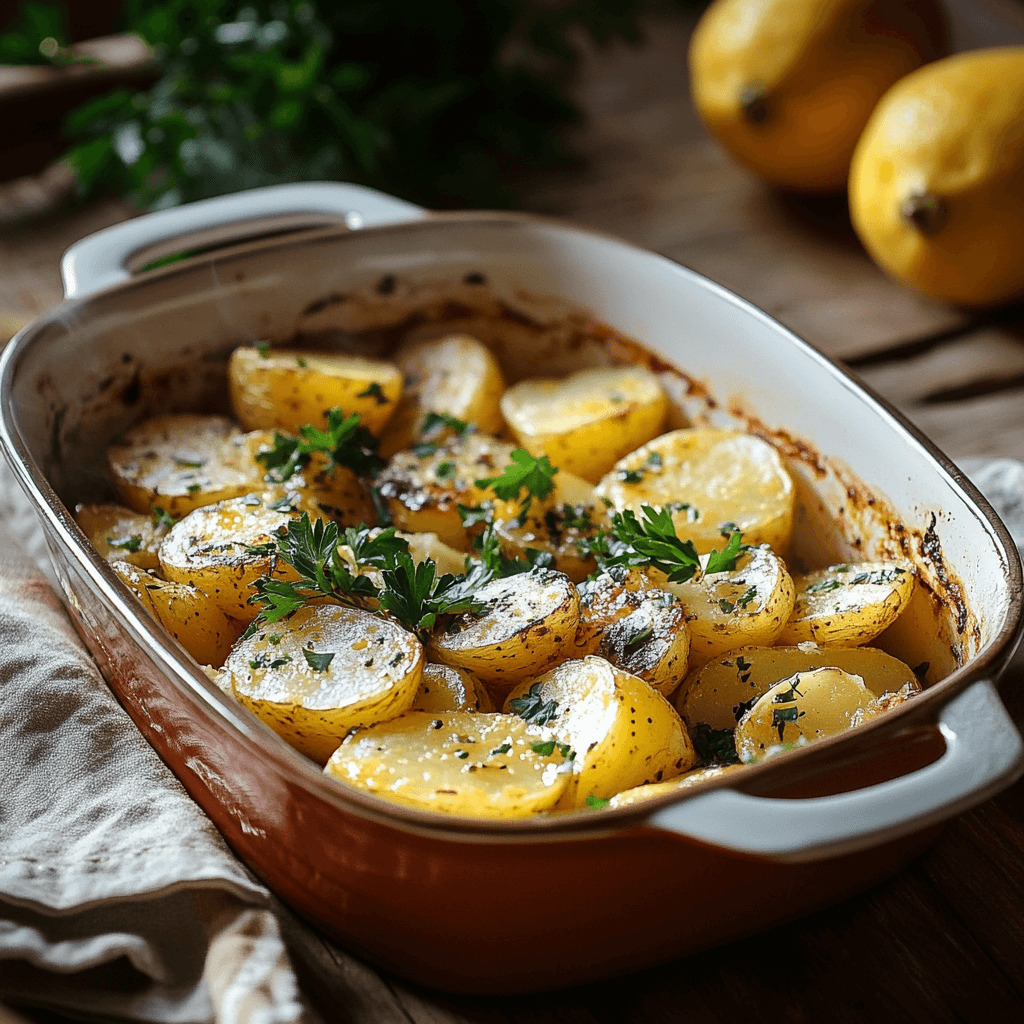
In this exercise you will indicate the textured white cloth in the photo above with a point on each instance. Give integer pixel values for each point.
(118, 898)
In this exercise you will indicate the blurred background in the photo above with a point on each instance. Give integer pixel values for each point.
(442, 102)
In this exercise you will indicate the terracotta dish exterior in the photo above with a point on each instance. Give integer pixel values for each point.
(484, 906)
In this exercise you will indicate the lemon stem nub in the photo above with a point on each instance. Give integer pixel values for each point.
(927, 212)
(754, 104)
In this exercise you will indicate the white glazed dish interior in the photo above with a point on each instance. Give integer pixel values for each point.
(57, 417)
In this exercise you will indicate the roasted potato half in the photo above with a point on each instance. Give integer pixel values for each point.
(747, 605)
(635, 627)
(624, 733)
(423, 490)
(324, 670)
(806, 707)
(585, 421)
(288, 388)
(185, 612)
(710, 479)
(720, 693)
(181, 462)
(322, 491)
(121, 535)
(444, 688)
(455, 375)
(529, 624)
(223, 549)
(557, 525)
(484, 765)
(848, 605)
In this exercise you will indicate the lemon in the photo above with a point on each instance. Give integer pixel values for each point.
(788, 85)
(937, 182)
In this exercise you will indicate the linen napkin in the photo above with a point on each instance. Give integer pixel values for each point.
(118, 898)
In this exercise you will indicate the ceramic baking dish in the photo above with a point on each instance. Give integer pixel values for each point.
(484, 906)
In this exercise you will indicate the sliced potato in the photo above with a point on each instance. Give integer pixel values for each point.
(324, 670)
(806, 707)
(324, 492)
(423, 491)
(623, 731)
(708, 478)
(641, 794)
(288, 388)
(185, 612)
(454, 375)
(642, 630)
(121, 535)
(848, 605)
(181, 462)
(556, 525)
(585, 421)
(747, 605)
(444, 688)
(604, 600)
(529, 625)
(721, 692)
(223, 549)
(484, 765)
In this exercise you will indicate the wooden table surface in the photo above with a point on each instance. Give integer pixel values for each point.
(943, 940)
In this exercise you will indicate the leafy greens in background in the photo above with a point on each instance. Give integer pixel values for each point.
(438, 101)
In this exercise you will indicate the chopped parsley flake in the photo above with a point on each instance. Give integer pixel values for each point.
(132, 543)
(161, 517)
(533, 708)
(374, 391)
(318, 661)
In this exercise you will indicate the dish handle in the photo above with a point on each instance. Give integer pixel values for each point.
(984, 751)
(104, 258)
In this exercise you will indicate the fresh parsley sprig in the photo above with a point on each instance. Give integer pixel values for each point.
(524, 472)
(412, 593)
(311, 549)
(654, 541)
(416, 595)
(345, 442)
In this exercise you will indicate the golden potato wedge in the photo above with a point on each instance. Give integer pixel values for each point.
(181, 462)
(641, 794)
(324, 670)
(529, 625)
(624, 733)
(635, 627)
(322, 491)
(121, 535)
(483, 765)
(585, 421)
(454, 375)
(223, 549)
(185, 612)
(423, 491)
(745, 606)
(720, 693)
(848, 605)
(806, 707)
(444, 688)
(288, 388)
(709, 479)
